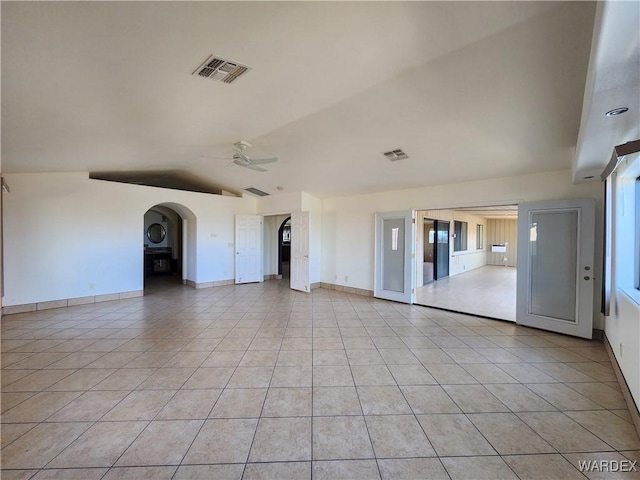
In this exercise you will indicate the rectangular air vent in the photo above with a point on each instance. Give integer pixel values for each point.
(395, 155)
(255, 191)
(216, 68)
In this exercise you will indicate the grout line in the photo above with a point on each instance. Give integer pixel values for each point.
(197, 306)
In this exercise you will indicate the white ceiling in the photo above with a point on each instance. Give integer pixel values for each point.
(469, 90)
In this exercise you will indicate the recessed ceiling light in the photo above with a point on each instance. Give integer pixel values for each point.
(279, 187)
(617, 111)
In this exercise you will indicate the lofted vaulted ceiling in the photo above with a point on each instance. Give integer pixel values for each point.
(469, 90)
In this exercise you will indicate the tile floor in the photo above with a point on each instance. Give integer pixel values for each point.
(489, 291)
(257, 381)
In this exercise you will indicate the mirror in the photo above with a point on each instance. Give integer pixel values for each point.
(156, 233)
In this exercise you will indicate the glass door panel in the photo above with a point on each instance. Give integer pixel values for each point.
(553, 247)
(442, 249)
(393, 255)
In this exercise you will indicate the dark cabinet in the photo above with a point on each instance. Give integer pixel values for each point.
(157, 262)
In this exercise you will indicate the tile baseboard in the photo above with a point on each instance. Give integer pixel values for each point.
(69, 302)
(216, 283)
(626, 393)
(342, 288)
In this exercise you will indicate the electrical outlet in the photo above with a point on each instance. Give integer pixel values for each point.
(92, 286)
(346, 278)
(620, 350)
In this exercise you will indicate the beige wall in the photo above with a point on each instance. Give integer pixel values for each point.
(502, 231)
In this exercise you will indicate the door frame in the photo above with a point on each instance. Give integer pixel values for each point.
(299, 261)
(408, 295)
(260, 236)
(585, 268)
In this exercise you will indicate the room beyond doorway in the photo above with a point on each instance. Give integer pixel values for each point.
(163, 247)
(488, 291)
(284, 249)
(466, 260)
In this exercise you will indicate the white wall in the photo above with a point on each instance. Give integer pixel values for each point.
(348, 222)
(67, 236)
(622, 327)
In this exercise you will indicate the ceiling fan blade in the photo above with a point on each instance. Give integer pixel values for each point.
(261, 161)
(255, 167)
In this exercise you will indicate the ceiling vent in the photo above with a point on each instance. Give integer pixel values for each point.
(395, 155)
(255, 191)
(217, 68)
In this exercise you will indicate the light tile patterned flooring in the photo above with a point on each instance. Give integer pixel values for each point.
(258, 381)
(489, 291)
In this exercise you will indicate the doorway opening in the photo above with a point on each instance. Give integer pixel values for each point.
(277, 247)
(284, 249)
(167, 245)
(466, 260)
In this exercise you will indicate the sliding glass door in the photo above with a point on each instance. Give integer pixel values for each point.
(442, 249)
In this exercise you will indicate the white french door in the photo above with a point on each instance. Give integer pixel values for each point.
(249, 248)
(555, 266)
(393, 265)
(299, 271)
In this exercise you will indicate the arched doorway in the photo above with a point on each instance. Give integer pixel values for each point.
(284, 248)
(169, 245)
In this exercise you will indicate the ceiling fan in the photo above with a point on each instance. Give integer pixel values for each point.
(242, 159)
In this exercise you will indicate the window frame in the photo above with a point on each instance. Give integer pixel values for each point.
(636, 280)
(460, 236)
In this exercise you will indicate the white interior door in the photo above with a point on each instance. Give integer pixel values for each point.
(394, 265)
(299, 266)
(249, 249)
(555, 266)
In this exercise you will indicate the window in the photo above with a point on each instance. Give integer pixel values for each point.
(637, 216)
(479, 237)
(459, 236)
(625, 230)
